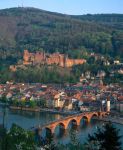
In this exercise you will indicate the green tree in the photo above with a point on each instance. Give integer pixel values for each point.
(2, 137)
(105, 139)
(74, 143)
(17, 139)
(3, 99)
(15, 102)
(32, 104)
(22, 103)
(42, 102)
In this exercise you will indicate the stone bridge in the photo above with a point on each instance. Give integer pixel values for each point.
(75, 119)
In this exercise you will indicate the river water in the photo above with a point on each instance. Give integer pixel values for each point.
(29, 119)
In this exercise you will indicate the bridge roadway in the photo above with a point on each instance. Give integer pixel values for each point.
(75, 119)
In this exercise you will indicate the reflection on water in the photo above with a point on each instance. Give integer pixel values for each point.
(83, 131)
(29, 119)
(26, 119)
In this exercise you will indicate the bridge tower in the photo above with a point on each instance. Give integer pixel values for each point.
(108, 105)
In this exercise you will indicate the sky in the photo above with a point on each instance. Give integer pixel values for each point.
(73, 7)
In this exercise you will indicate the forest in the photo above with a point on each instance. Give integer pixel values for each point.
(37, 30)
(77, 36)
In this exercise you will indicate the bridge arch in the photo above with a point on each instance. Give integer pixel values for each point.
(93, 116)
(46, 132)
(72, 123)
(61, 126)
(84, 120)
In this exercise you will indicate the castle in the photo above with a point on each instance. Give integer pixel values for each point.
(61, 60)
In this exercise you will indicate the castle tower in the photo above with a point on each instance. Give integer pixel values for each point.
(65, 60)
(26, 56)
(108, 105)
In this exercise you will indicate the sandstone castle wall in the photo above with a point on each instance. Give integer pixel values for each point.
(55, 58)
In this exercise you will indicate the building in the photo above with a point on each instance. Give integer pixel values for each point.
(56, 58)
(59, 99)
(119, 104)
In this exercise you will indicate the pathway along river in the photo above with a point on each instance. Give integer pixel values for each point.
(29, 119)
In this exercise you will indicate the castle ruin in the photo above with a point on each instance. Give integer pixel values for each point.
(61, 60)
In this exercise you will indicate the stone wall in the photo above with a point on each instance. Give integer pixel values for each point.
(39, 58)
(55, 58)
(28, 58)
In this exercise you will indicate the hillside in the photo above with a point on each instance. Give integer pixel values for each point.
(35, 29)
(113, 20)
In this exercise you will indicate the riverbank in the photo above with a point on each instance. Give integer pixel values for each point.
(25, 108)
(58, 112)
(4, 104)
(43, 110)
(116, 120)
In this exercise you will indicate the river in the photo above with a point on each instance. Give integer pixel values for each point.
(29, 119)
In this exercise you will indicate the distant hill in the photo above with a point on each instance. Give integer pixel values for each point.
(35, 29)
(113, 20)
